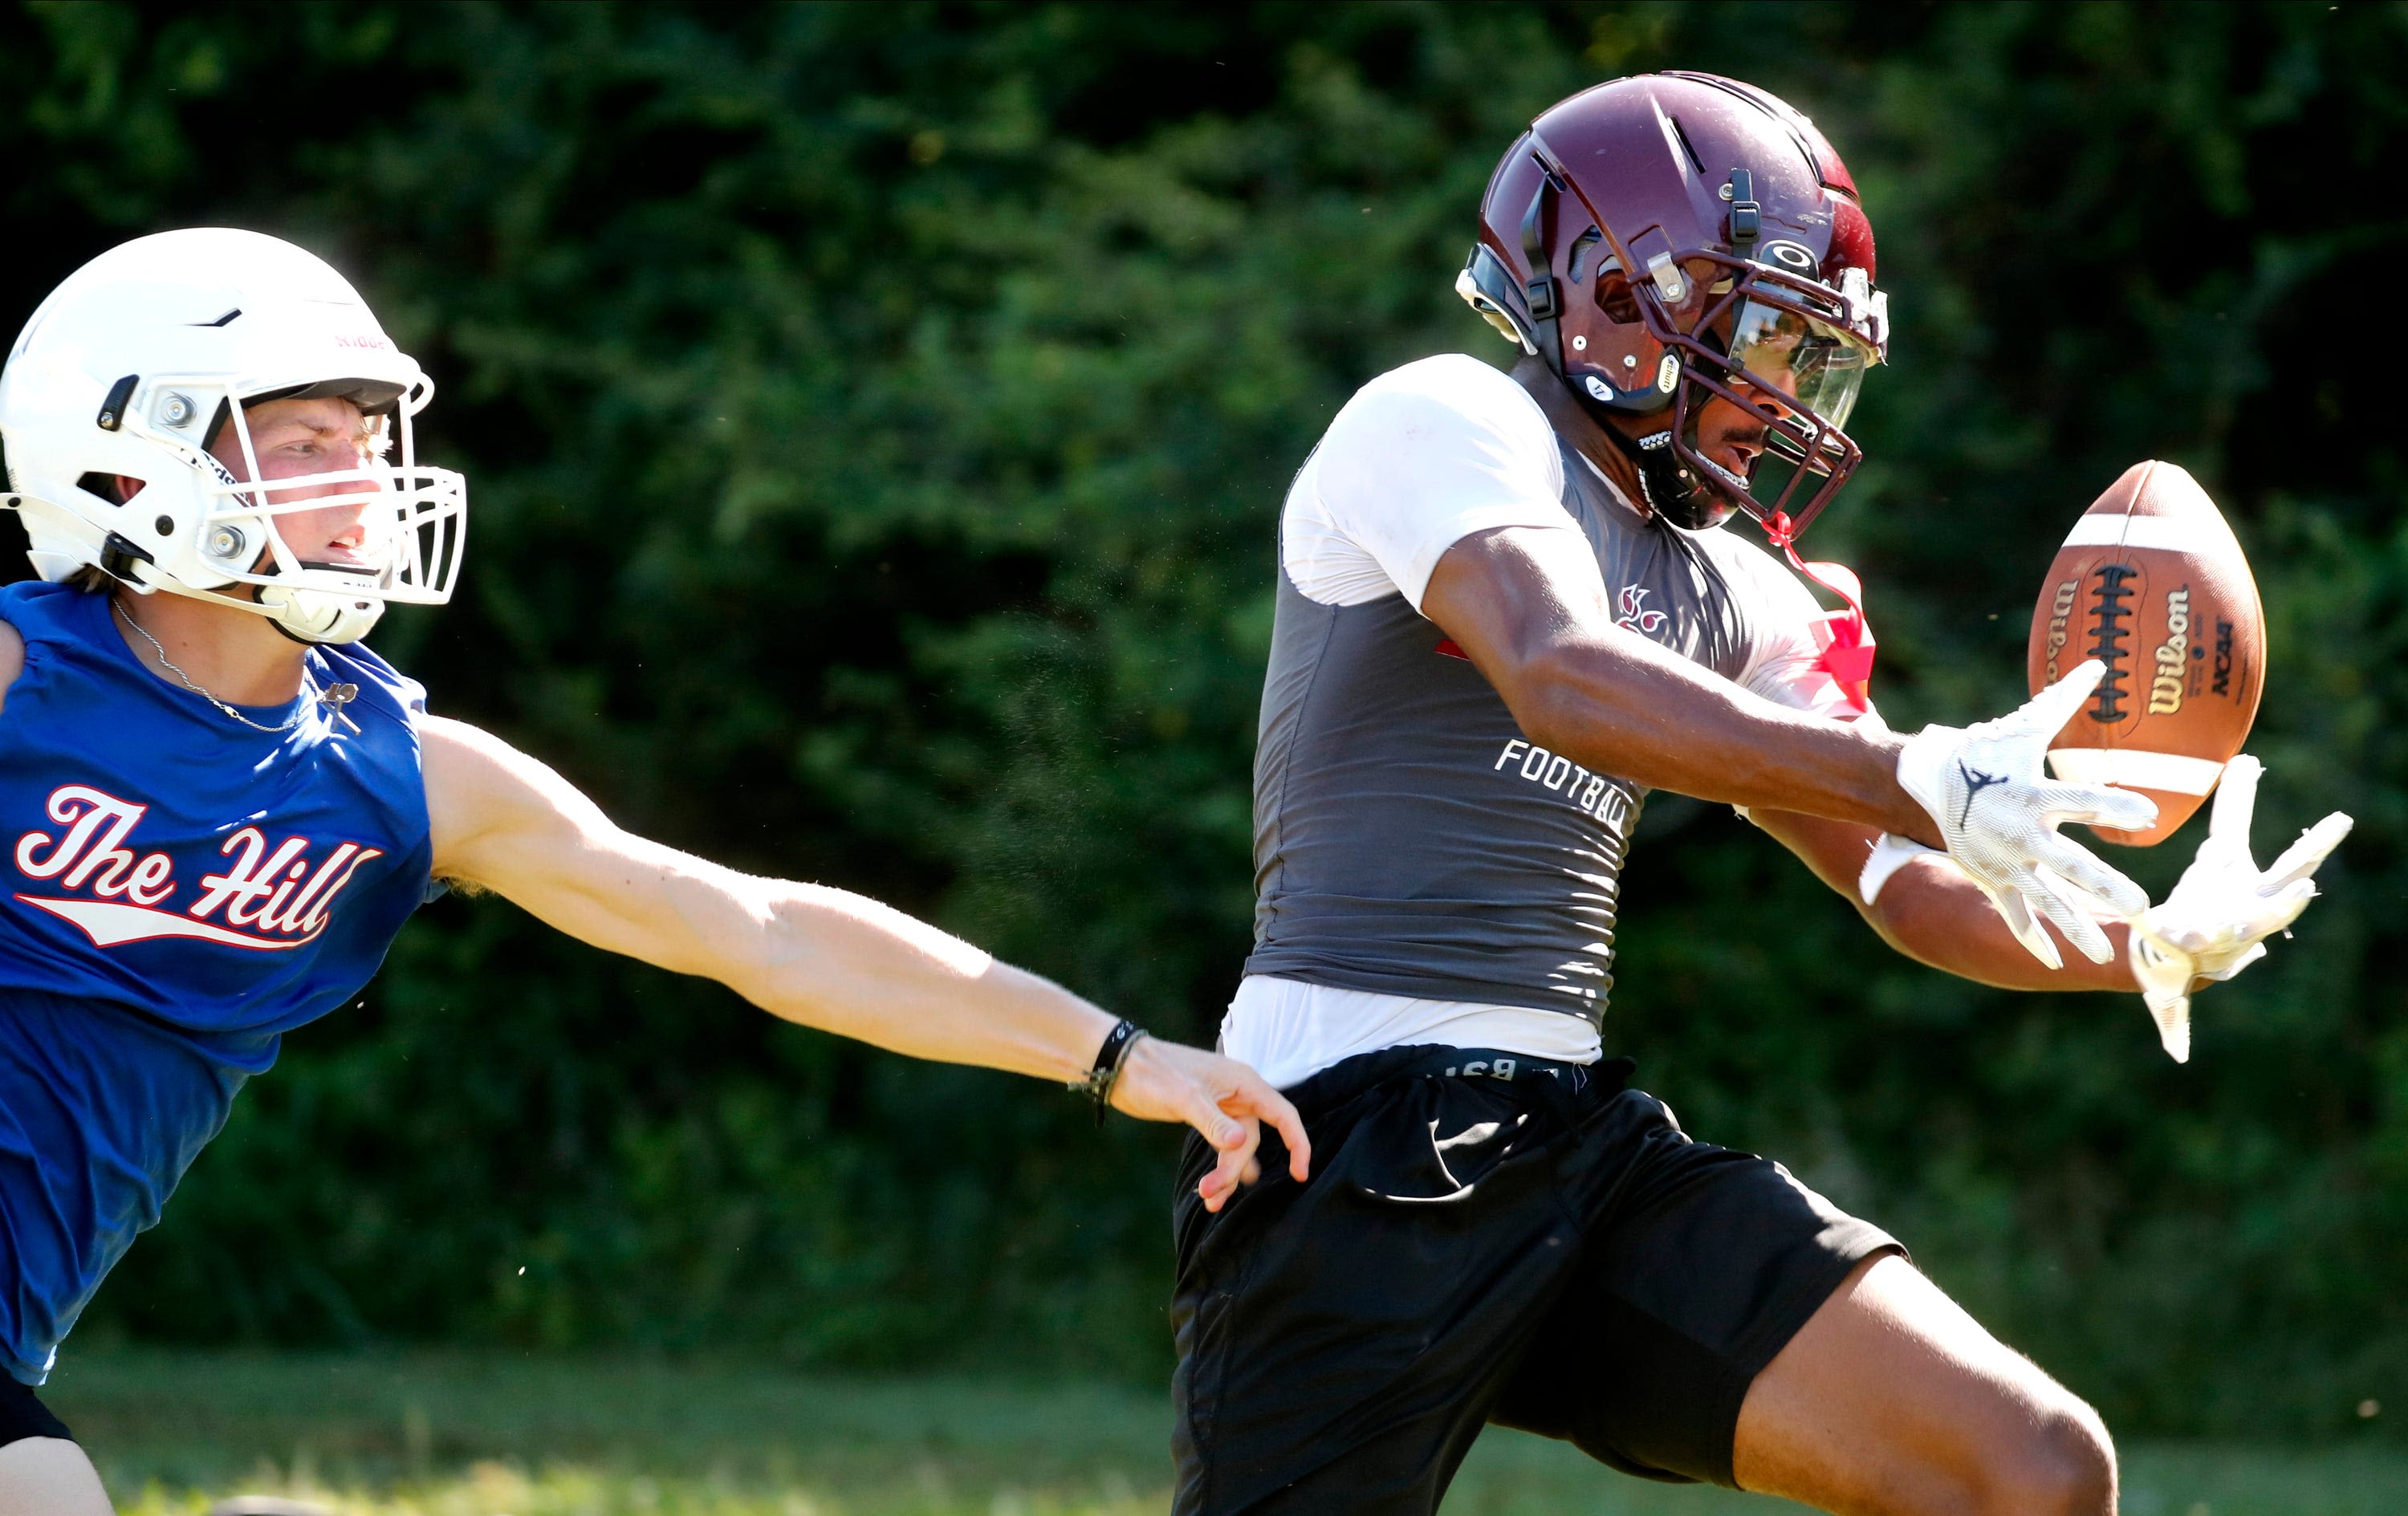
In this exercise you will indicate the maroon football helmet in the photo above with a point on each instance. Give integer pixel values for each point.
(1665, 240)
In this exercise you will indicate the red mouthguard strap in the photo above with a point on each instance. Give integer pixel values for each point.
(1846, 636)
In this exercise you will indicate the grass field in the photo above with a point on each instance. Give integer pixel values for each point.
(504, 1435)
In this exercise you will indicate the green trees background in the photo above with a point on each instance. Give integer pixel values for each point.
(877, 418)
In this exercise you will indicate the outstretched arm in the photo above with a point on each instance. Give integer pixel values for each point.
(1930, 912)
(1527, 604)
(1528, 607)
(809, 953)
(2213, 924)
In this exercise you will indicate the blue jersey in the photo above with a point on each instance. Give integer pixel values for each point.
(179, 891)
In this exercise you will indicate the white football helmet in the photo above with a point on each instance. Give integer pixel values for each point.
(136, 366)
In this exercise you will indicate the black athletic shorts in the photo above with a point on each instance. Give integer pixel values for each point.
(23, 1415)
(1484, 1239)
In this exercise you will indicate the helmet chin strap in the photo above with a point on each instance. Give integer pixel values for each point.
(1687, 503)
(1669, 491)
(310, 617)
(1844, 637)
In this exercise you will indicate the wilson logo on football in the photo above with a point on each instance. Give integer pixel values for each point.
(2060, 615)
(267, 897)
(2174, 656)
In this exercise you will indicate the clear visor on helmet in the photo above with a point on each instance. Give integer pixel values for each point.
(1807, 361)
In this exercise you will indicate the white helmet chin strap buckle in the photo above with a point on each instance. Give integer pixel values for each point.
(306, 616)
(319, 615)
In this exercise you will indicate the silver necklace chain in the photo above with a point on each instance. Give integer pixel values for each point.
(333, 696)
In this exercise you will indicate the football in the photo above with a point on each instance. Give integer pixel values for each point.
(2152, 583)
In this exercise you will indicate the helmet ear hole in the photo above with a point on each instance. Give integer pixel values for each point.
(107, 486)
(1614, 298)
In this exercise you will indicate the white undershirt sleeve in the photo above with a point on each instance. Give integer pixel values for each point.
(1420, 458)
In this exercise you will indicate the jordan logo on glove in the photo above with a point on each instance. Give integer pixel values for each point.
(1975, 785)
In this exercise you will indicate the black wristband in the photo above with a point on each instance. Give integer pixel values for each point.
(1097, 1085)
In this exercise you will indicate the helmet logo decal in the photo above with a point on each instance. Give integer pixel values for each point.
(1598, 389)
(1792, 255)
(1634, 615)
(1667, 373)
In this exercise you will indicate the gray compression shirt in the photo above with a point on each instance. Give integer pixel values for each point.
(1409, 840)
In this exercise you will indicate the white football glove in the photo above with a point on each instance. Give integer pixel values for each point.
(1998, 811)
(2216, 922)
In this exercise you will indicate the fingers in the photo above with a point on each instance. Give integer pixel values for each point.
(1255, 1102)
(2099, 805)
(2164, 973)
(2010, 899)
(2174, 1027)
(2256, 950)
(1237, 1166)
(2236, 801)
(2161, 969)
(1255, 1097)
(1217, 1187)
(2170, 1008)
(2214, 923)
(2048, 711)
(2079, 866)
(2072, 917)
(1273, 1108)
(2280, 910)
(1207, 1107)
(1198, 1100)
(1166, 1081)
(1225, 1102)
(2303, 858)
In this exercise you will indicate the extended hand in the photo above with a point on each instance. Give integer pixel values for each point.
(1222, 1098)
(1998, 811)
(2216, 922)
